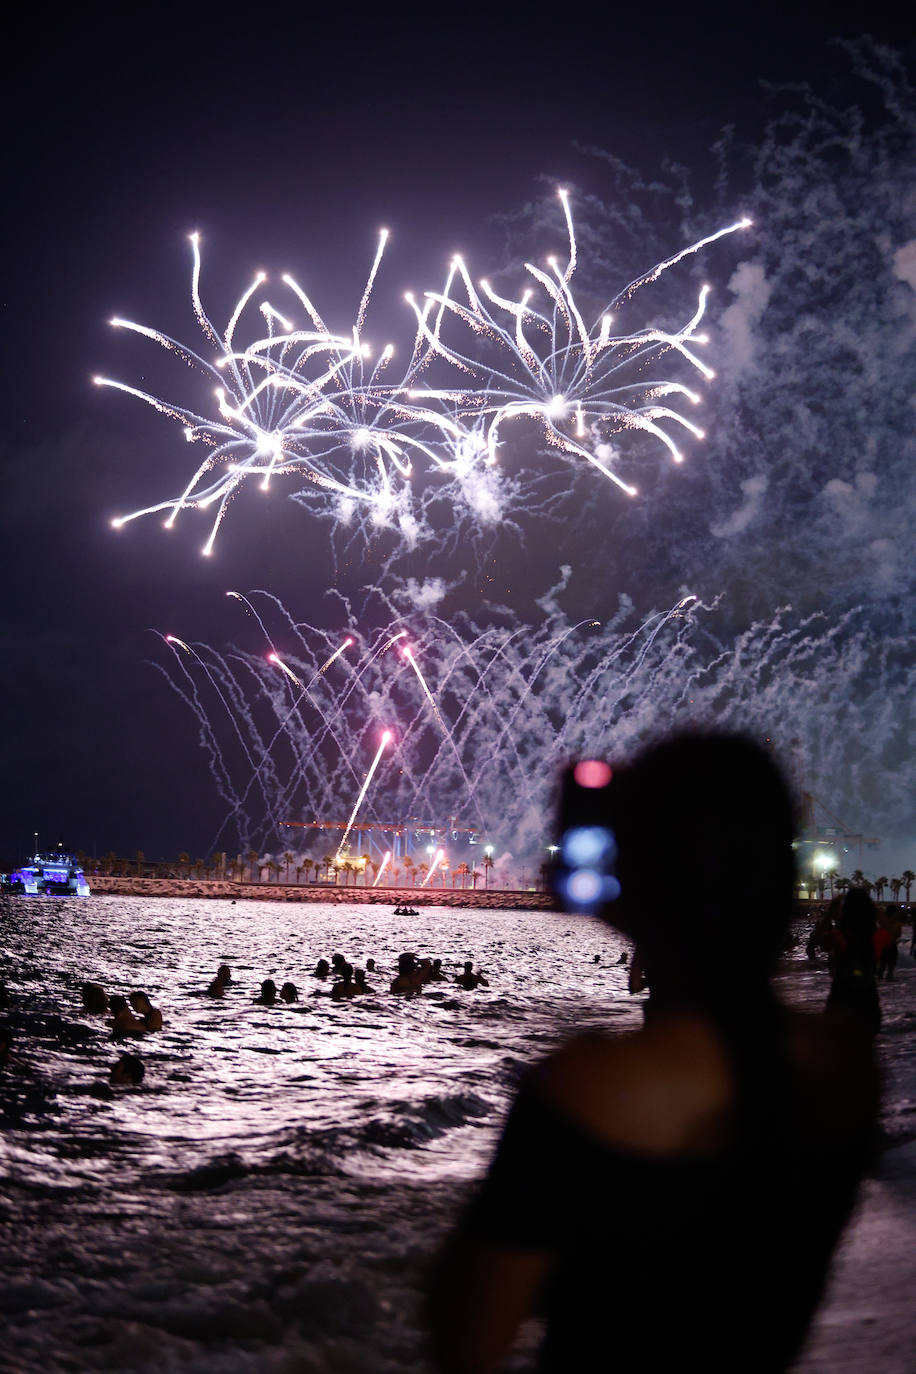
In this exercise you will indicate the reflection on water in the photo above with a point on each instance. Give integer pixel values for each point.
(269, 1196)
(374, 1073)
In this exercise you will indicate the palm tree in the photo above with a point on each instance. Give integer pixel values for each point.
(141, 859)
(463, 872)
(422, 870)
(858, 878)
(409, 867)
(252, 857)
(329, 862)
(487, 865)
(895, 885)
(230, 869)
(184, 861)
(475, 876)
(842, 885)
(288, 859)
(880, 885)
(907, 878)
(299, 868)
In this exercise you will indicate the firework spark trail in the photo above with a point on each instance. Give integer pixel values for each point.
(307, 749)
(472, 708)
(485, 742)
(300, 401)
(300, 754)
(448, 734)
(383, 866)
(207, 735)
(336, 654)
(284, 668)
(363, 790)
(603, 693)
(440, 855)
(407, 651)
(525, 695)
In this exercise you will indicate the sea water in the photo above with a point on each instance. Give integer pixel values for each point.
(270, 1198)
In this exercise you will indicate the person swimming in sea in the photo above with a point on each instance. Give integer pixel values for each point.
(123, 1020)
(95, 998)
(220, 982)
(321, 969)
(289, 993)
(359, 981)
(128, 1071)
(409, 978)
(435, 973)
(268, 994)
(151, 1016)
(469, 980)
(345, 988)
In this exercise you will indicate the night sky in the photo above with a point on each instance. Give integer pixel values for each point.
(287, 141)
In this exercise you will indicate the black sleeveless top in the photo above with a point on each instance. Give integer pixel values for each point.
(658, 1262)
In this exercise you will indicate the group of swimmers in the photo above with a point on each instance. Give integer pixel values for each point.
(412, 976)
(134, 1015)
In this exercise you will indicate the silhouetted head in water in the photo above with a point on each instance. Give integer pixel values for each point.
(94, 998)
(370, 965)
(337, 962)
(140, 1003)
(724, 812)
(289, 992)
(407, 963)
(224, 974)
(117, 1003)
(322, 969)
(128, 1070)
(268, 992)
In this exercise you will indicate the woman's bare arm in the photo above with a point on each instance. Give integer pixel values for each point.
(480, 1296)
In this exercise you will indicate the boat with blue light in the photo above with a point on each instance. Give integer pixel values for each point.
(48, 874)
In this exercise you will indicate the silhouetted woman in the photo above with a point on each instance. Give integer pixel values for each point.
(670, 1199)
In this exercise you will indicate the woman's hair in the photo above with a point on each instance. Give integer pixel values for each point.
(704, 825)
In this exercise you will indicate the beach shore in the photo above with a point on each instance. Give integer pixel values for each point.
(480, 899)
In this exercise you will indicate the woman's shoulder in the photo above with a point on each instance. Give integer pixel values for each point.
(669, 1089)
(664, 1090)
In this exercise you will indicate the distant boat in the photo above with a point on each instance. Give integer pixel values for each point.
(54, 874)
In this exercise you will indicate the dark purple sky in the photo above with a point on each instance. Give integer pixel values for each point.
(287, 141)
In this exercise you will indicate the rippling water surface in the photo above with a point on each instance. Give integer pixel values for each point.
(270, 1197)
